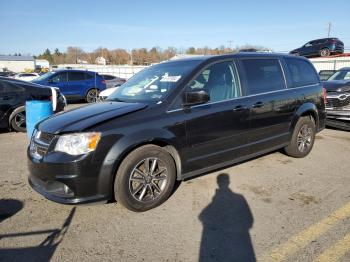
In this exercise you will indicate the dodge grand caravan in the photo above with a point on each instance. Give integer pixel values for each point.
(176, 120)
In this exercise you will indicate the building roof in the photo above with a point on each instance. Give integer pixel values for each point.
(16, 58)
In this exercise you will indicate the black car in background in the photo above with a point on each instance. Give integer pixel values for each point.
(13, 96)
(7, 74)
(176, 120)
(326, 74)
(320, 47)
(338, 99)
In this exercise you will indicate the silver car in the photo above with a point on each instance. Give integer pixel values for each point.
(113, 81)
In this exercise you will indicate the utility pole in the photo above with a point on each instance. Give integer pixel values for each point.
(329, 28)
(230, 43)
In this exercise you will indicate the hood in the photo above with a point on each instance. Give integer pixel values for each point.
(295, 50)
(337, 85)
(82, 118)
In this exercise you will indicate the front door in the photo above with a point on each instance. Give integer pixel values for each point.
(216, 130)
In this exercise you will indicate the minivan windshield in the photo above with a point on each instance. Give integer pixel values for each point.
(154, 83)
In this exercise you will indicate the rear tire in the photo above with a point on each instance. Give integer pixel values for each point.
(325, 52)
(303, 138)
(92, 95)
(18, 119)
(145, 178)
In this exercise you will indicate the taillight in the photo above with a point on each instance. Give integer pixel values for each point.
(324, 92)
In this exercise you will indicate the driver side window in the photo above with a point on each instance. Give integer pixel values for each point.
(59, 78)
(219, 80)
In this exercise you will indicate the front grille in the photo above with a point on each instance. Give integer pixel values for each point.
(340, 101)
(45, 137)
(40, 143)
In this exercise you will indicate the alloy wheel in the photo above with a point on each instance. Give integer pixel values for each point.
(92, 96)
(304, 139)
(20, 120)
(148, 180)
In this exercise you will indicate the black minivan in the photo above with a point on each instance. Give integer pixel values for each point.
(176, 120)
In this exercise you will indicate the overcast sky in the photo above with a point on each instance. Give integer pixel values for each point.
(32, 26)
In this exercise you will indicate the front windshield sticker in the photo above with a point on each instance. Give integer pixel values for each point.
(172, 79)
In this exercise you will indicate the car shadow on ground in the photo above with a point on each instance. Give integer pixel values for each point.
(44, 251)
(226, 223)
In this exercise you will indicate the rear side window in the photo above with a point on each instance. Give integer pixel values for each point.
(301, 73)
(76, 76)
(6, 87)
(263, 75)
(89, 76)
(108, 77)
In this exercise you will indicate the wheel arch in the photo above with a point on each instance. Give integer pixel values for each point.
(120, 151)
(307, 109)
(12, 114)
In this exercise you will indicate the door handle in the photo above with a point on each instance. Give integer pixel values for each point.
(239, 108)
(258, 104)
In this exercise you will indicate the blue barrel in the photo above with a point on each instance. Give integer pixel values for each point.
(35, 112)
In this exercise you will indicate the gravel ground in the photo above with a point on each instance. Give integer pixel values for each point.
(247, 212)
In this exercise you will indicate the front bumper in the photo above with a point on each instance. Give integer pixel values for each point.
(338, 114)
(70, 180)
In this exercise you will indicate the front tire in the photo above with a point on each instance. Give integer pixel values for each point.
(92, 95)
(303, 138)
(145, 178)
(18, 119)
(325, 52)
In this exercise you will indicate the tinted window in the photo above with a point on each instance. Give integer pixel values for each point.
(301, 72)
(61, 77)
(89, 76)
(108, 77)
(219, 80)
(7, 87)
(76, 76)
(263, 75)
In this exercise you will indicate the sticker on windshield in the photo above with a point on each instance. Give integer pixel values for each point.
(172, 79)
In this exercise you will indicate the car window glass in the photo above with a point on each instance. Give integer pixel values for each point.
(347, 76)
(263, 75)
(220, 81)
(108, 77)
(61, 77)
(76, 76)
(89, 76)
(301, 72)
(8, 87)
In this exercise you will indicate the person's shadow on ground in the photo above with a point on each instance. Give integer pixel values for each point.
(226, 223)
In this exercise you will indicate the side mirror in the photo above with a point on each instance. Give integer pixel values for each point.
(192, 98)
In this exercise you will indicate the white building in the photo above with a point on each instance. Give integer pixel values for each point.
(17, 63)
(101, 60)
(42, 63)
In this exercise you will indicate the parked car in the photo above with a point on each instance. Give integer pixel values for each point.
(326, 74)
(320, 47)
(26, 76)
(338, 99)
(113, 81)
(105, 93)
(75, 84)
(176, 120)
(7, 74)
(14, 94)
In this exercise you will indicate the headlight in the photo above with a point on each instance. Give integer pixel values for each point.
(78, 143)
